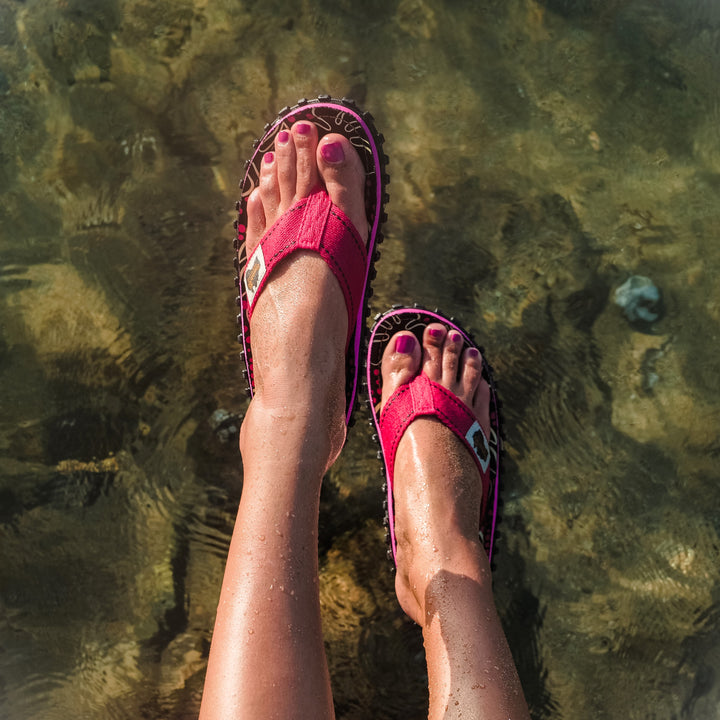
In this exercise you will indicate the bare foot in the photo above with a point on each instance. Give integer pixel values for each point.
(299, 324)
(269, 610)
(437, 487)
(443, 577)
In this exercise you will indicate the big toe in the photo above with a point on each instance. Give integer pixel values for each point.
(400, 363)
(343, 173)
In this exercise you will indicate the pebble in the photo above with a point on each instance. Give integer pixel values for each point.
(639, 298)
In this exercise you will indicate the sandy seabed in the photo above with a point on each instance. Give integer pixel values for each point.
(541, 154)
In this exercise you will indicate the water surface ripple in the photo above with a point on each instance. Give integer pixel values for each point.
(542, 152)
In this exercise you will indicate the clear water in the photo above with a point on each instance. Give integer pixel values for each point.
(541, 154)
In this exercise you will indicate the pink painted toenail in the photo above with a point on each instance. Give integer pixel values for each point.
(435, 332)
(332, 152)
(405, 344)
(473, 352)
(283, 136)
(303, 128)
(269, 157)
(455, 337)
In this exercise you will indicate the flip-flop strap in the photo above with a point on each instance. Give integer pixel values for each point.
(423, 397)
(312, 223)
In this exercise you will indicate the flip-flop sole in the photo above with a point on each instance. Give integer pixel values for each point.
(415, 320)
(330, 115)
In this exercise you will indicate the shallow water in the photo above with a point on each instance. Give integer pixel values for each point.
(541, 154)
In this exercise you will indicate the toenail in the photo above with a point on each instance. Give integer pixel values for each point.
(283, 136)
(473, 352)
(303, 128)
(435, 332)
(332, 152)
(455, 337)
(269, 157)
(404, 344)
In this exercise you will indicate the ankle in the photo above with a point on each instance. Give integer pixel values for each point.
(420, 562)
(302, 436)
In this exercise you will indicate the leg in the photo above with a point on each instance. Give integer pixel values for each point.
(267, 658)
(443, 575)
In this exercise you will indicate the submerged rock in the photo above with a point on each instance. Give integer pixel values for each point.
(224, 424)
(640, 300)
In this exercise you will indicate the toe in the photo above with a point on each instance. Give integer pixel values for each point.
(305, 140)
(451, 358)
(433, 340)
(255, 222)
(400, 363)
(475, 390)
(286, 168)
(344, 176)
(470, 375)
(269, 188)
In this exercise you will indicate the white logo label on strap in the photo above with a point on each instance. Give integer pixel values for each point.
(254, 273)
(478, 442)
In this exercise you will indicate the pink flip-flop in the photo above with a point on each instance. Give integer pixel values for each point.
(423, 397)
(316, 223)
